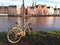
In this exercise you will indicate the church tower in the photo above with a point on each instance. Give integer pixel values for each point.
(33, 4)
(23, 3)
(22, 9)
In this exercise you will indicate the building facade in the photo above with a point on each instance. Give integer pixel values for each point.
(11, 10)
(50, 10)
(56, 11)
(22, 10)
(37, 10)
(3, 9)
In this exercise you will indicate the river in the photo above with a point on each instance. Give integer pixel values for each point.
(38, 23)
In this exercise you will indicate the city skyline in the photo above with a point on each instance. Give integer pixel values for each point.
(51, 3)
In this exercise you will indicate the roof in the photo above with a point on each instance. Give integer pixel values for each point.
(4, 6)
(58, 8)
(48, 7)
(8, 6)
(55, 8)
(32, 7)
(12, 6)
(43, 6)
(36, 6)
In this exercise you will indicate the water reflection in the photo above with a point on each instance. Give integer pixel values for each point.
(42, 22)
(20, 21)
(38, 23)
(49, 21)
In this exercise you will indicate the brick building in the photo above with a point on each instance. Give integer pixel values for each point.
(22, 10)
(11, 10)
(37, 10)
(34, 9)
(4, 9)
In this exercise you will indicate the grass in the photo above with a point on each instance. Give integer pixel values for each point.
(37, 37)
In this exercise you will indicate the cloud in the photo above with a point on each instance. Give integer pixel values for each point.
(51, 3)
(29, 2)
(54, 0)
(58, 5)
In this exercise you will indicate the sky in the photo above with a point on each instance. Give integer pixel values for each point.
(51, 3)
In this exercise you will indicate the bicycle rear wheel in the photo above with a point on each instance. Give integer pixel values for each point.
(12, 35)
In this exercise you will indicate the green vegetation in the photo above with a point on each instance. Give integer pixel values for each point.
(3, 37)
(38, 37)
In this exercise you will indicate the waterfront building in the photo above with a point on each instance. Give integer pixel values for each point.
(3, 9)
(11, 10)
(18, 10)
(22, 10)
(31, 10)
(50, 10)
(37, 10)
(34, 9)
(58, 11)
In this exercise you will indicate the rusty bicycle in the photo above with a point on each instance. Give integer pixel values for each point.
(15, 33)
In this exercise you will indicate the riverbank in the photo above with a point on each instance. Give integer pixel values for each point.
(35, 38)
(30, 16)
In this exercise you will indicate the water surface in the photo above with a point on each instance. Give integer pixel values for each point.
(38, 23)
